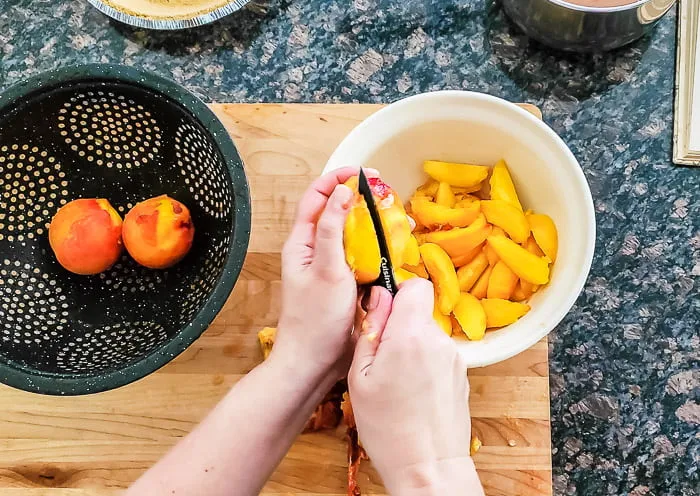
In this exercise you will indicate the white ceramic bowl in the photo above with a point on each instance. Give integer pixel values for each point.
(470, 127)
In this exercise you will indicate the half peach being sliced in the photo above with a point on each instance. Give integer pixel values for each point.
(361, 246)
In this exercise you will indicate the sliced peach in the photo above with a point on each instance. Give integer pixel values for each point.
(480, 287)
(502, 282)
(462, 193)
(418, 269)
(545, 233)
(519, 293)
(460, 175)
(526, 289)
(411, 255)
(469, 274)
(526, 265)
(471, 316)
(460, 240)
(158, 232)
(361, 246)
(428, 189)
(416, 226)
(445, 196)
(464, 201)
(461, 260)
(432, 215)
(402, 275)
(456, 328)
(509, 218)
(86, 236)
(502, 187)
(501, 313)
(443, 275)
(531, 245)
(443, 321)
(491, 255)
(490, 252)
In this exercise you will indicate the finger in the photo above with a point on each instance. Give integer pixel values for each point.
(299, 247)
(329, 256)
(316, 196)
(378, 311)
(314, 200)
(412, 304)
(360, 314)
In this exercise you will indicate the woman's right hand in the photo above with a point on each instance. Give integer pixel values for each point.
(409, 391)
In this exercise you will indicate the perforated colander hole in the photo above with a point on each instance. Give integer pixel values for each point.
(202, 170)
(126, 275)
(192, 298)
(32, 187)
(107, 130)
(109, 346)
(30, 308)
(123, 209)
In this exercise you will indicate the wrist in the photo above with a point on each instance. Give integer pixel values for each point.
(436, 477)
(305, 371)
(306, 355)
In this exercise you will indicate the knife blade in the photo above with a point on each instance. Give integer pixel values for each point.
(386, 274)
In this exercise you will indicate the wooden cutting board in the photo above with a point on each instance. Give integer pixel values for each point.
(97, 445)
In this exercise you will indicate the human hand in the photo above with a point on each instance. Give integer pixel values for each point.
(319, 292)
(409, 391)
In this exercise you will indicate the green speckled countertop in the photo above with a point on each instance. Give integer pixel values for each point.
(624, 363)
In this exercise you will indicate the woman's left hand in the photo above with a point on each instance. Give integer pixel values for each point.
(319, 292)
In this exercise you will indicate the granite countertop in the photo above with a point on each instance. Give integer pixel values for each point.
(624, 363)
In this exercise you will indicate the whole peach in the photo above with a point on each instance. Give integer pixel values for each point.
(86, 236)
(158, 232)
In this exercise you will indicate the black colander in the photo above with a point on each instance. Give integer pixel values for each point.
(125, 135)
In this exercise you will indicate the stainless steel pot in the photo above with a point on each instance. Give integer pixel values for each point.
(566, 26)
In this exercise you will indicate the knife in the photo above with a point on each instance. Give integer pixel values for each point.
(386, 273)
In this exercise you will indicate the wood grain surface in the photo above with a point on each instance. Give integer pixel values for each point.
(97, 445)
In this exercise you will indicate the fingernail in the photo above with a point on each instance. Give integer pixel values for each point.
(373, 299)
(343, 196)
(371, 172)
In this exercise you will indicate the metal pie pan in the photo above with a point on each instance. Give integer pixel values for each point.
(148, 22)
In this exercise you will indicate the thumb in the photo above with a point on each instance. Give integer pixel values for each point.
(378, 311)
(329, 256)
(413, 303)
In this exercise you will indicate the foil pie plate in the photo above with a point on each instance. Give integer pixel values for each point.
(170, 18)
